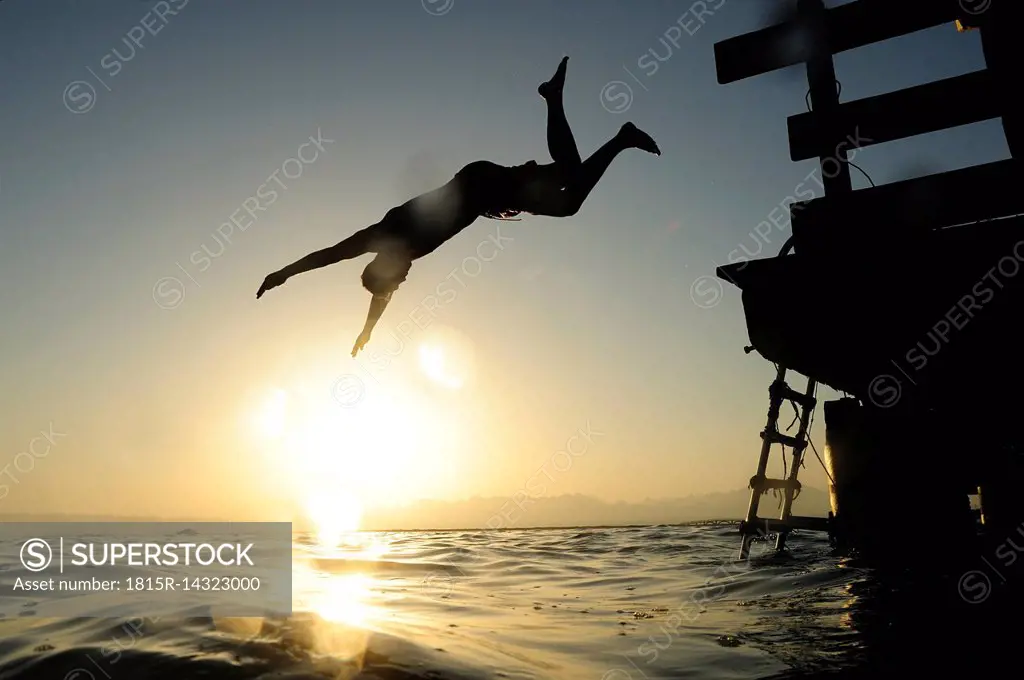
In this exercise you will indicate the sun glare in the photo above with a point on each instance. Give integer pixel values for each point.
(432, 361)
(344, 600)
(446, 358)
(271, 419)
(435, 365)
(340, 460)
(334, 515)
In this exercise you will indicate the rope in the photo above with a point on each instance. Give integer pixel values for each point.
(810, 427)
(839, 91)
(811, 441)
(803, 463)
(796, 416)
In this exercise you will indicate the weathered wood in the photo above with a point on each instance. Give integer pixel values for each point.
(961, 100)
(847, 27)
(910, 206)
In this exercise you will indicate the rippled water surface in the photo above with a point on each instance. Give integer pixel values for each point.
(616, 603)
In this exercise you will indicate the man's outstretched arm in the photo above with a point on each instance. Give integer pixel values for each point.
(353, 246)
(377, 306)
(320, 258)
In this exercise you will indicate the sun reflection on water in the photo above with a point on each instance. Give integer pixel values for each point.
(332, 582)
(340, 603)
(343, 599)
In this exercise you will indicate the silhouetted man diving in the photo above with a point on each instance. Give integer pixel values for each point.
(480, 189)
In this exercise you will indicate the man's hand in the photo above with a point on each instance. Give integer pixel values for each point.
(361, 341)
(272, 281)
(377, 305)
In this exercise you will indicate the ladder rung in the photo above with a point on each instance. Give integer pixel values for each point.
(783, 391)
(808, 523)
(761, 525)
(764, 483)
(776, 437)
(805, 400)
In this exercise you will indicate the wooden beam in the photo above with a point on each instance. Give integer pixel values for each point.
(824, 100)
(900, 209)
(957, 255)
(847, 27)
(961, 100)
(1004, 50)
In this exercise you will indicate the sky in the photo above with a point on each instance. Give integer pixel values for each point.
(146, 379)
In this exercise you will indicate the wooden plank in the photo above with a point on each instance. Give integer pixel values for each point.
(961, 100)
(847, 27)
(963, 253)
(917, 205)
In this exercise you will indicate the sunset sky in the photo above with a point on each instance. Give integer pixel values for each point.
(131, 328)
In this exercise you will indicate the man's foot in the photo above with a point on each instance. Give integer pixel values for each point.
(636, 138)
(554, 86)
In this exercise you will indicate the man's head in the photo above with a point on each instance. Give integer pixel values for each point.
(385, 273)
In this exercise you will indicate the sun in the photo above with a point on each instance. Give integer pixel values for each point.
(434, 363)
(334, 515)
(337, 463)
(446, 357)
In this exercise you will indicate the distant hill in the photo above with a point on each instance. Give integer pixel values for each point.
(579, 510)
(22, 517)
(549, 511)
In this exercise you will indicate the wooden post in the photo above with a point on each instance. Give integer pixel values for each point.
(1001, 43)
(824, 95)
